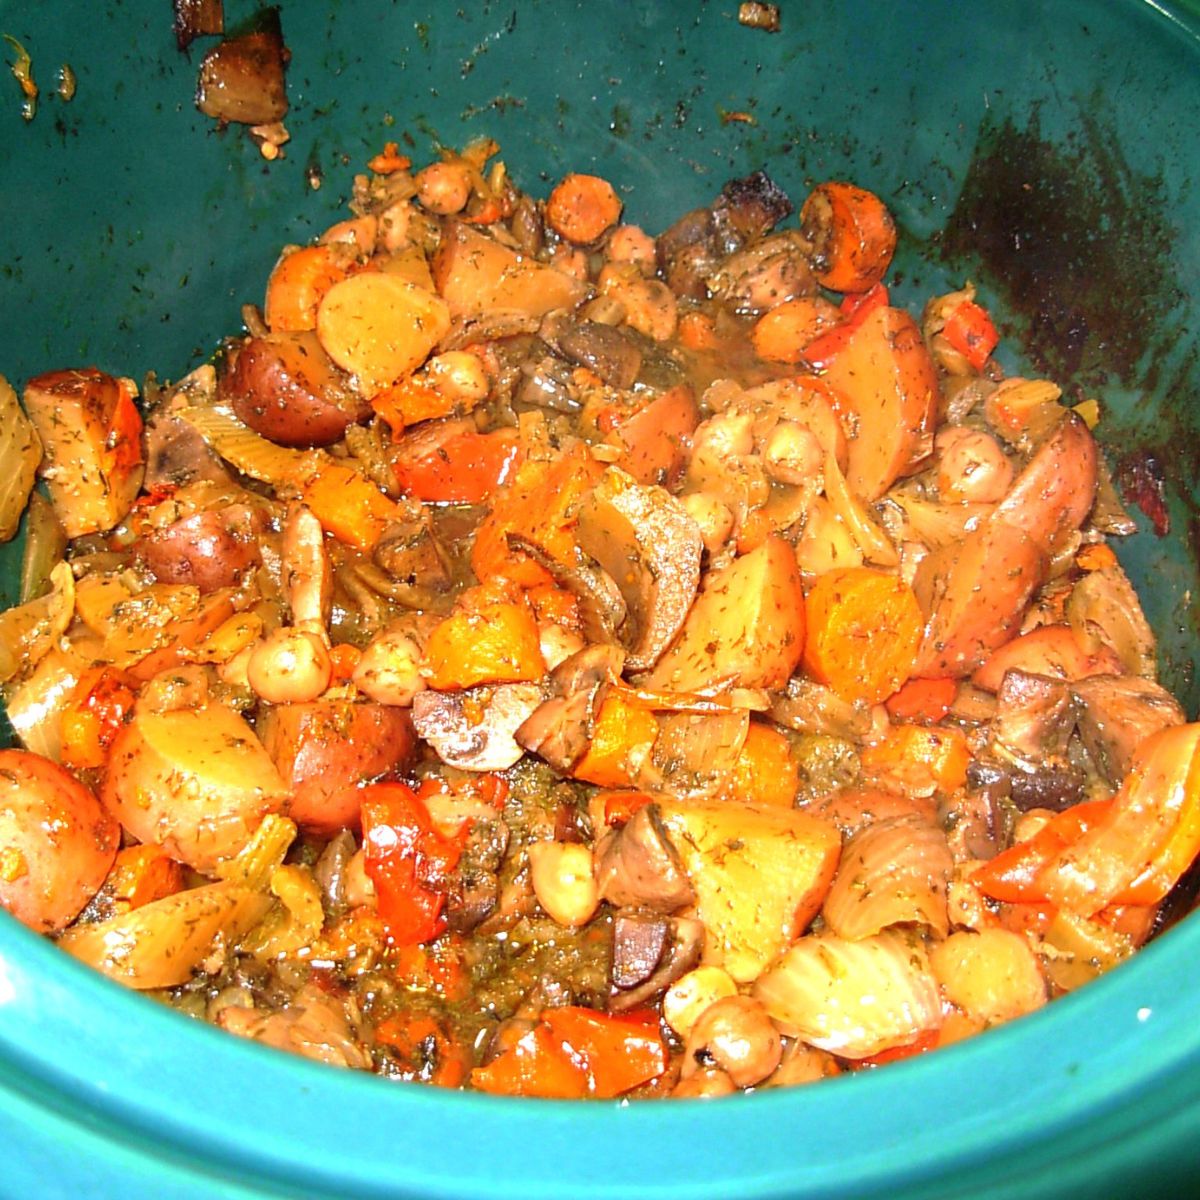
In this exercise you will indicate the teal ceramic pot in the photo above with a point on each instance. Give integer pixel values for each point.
(1048, 151)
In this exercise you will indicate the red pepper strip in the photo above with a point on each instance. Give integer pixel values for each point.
(403, 855)
(616, 1052)
(574, 1052)
(95, 714)
(619, 806)
(970, 331)
(123, 445)
(858, 304)
(467, 468)
(822, 350)
(1014, 874)
(534, 1065)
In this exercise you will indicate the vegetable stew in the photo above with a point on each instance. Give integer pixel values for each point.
(544, 658)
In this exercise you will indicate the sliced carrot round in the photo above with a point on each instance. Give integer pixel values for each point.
(864, 627)
(582, 207)
(853, 236)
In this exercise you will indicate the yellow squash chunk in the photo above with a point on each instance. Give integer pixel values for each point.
(760, 874)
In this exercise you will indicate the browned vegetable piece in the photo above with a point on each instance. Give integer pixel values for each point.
(211, 549)
(650, 952)
(242, 78)
(888, 386)
(285, 387)
(973, 594)
(1054, 493)
(91, 438)
(475, 729)
(326, 748)
(649, 545)
(56, 842)
(1117, 714)
(197, 18)
(195, 781)
(602, 348)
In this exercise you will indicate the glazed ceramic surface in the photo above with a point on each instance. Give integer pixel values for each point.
(1048, 151)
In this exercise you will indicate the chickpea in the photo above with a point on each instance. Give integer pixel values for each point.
(233, 670)
(708, 1083)
(632, 244)
(736, 1035)
(792, 454)
(389, 671)
(289, 666)
(694, 992)
(443, 187)
(725, 436)
(174, 689)
(563, 881)
(971, 466)
(712, 516)
(359, 887)
(460, 375)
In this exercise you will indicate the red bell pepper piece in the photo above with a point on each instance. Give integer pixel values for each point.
(970, 331)
(98, 708)
(404, 857)
(464, 469)
(1013, 875)
(618, 1052)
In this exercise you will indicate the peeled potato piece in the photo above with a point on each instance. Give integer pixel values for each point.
(160, 944)
(196, 782)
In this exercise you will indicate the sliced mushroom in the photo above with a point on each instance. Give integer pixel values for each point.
(650, 952)
(473, 730)
(560, 729)
(609, 352)
(411, 554)
(473, 888)
(636, 865)
(644, 538)
(1035, 716)
(1117, 714)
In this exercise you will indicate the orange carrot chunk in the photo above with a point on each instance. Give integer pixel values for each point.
(582, 208)
(852, 233)
(919, 758)
(864, 628)
(297, 285)
(494, 641)
(622, 734)
(782, 332)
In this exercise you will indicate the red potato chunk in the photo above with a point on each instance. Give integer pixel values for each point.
(326, 749)
(56, 842)
(212, 550)
(285, 388)
(746, 627)
(887, 388)
(196, 782)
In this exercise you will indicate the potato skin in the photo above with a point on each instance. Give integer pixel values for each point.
(210, 550)
(285, 388)
(196, 782)
(56, 842)
(325, 748)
